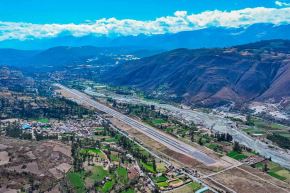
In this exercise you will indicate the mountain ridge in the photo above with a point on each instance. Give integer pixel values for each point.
(257, 71)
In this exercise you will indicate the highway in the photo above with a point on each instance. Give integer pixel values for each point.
(170, 142)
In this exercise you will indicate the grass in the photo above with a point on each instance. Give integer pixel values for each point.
(195, 186)
(76, 180)
(236, 155)
(259, 165)
(284, 134)
(114, 157)
(169, 129)
(278, 172)
(130, 190)
(43, 120)
(160, 179)
(284, 172)
(122, 174)
(110, 140)
(267, 125)
(92, 151)
(148, 167)
(160, 167)
(158, 121)
(274, 167)
(162, 184)
(108, 186)
(99, 174)
(215, 147)
(275, 175)
(252, 130)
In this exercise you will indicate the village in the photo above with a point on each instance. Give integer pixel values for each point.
(101, 157)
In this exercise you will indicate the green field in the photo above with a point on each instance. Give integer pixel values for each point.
(160, 179)
(77, 181)
(108, 186)
(284, 134)
(114, 157)
(259, 166)
(236, 155)
(110, 140)
(43, 120)
(278, 172)
(122, 174)
(129, 191)
(195, 186)
(267, 125)
(98, 174)
(148, 167)
(158, 121)
(162, 184)
(275, 175)
(285, 173)
(215, 147)
(252, 130)
(92, 151)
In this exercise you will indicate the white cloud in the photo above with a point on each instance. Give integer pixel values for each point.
(180, 21)
(282, 4)
(180, 13)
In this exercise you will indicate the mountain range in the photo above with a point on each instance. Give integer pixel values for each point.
(65, 56)
(208, 75)
(256, 71)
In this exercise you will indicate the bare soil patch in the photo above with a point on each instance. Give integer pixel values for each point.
(4, 158)
(243, 182)
(33, 160)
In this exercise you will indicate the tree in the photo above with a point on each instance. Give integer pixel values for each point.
(200, 142)
(237, 147)
(265, 168)
(154, 164)
(250, 121)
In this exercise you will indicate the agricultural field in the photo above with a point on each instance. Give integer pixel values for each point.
(274, 170)
(237, 155)
(260, 127)
(77, 181)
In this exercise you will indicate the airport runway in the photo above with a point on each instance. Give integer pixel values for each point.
(168, 141)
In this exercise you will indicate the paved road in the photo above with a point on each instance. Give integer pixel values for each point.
(166, 140)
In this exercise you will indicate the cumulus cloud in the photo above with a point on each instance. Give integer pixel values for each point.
(180, 21)
(282, 4)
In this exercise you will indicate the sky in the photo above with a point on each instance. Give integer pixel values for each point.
(28, 19)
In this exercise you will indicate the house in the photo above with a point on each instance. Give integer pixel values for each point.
(133, 173)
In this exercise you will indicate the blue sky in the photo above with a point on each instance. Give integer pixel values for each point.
(36, 19)
(77, 11)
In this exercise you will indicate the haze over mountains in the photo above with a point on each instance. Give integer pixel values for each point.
(64, 56)
(204, 38)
